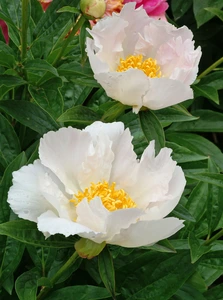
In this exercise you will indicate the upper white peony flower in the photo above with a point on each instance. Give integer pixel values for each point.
(89, 182)
(141, 61)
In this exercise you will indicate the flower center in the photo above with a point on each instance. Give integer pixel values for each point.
(148, 66)
(111, 198)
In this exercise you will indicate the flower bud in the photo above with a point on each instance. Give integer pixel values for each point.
(88, 249)
(93, 9)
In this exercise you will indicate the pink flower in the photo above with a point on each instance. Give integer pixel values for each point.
(154, 8)
(4, 29)
(45, 3)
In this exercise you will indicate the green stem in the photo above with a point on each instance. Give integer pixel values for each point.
(212, 67)
(58, 274)
(214, 238)
(76, 27)
(25, 23)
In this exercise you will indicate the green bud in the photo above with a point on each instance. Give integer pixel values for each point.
(88, 249)
(93, 9)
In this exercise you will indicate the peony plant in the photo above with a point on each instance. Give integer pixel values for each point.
(98, 202)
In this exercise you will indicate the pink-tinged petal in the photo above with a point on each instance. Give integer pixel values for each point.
(145, 233)
(127, 87)
(49, 223)
(164, 92)
(108, 50)
(31, 191)
(132, 31)
(58, 152)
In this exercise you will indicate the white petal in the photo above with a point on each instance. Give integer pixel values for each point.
(63, 152)
(97, 65)
(51, 224)
(32, 191)
(112, 130)
(164, 92)
(134, 29)
(124, 166)
(121, 219)
(92, 214)
(147, 232)
(127, 87)
(154, 175)
(108, 49)
(95, 216)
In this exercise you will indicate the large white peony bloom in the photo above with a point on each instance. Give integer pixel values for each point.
(89, 182)
(141, 61)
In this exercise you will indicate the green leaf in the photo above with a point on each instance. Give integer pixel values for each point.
(214, 79)
(201, 14)
(5, 184)
(154, 275)
(211, 178)
(152, 129)
(197, 144)
(113, 112)
(197, 249)
(82, 40)
(9, 142)
(70, 9)
(188, 292)
(180, 7)
(215, 293)
(215, 11)
(30, 115)
(48, 96)
(81, 292)
(75, 69)
(6, 60)
(106, 270)
(175, 113)
(206, 91)
(209, 121)
(11, 81)
(196, 205)
(40, 66)
(214, 203)
(182, 154)
(27, 232)
(182, 213)
(12, 256)
(51, 21)
(79, 116)
(26, 285)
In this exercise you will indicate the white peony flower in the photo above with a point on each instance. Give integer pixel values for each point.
(90, 182)
(141, 61)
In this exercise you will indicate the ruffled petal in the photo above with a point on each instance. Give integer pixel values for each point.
(154, 176)
(127, 87)
(35, 189)
(145, 233)
(63, 152)
(49, 223)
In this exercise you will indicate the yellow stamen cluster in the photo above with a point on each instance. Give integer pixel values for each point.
(111, 198)
(148, 66)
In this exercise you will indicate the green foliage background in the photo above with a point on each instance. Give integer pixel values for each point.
(47, 86)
